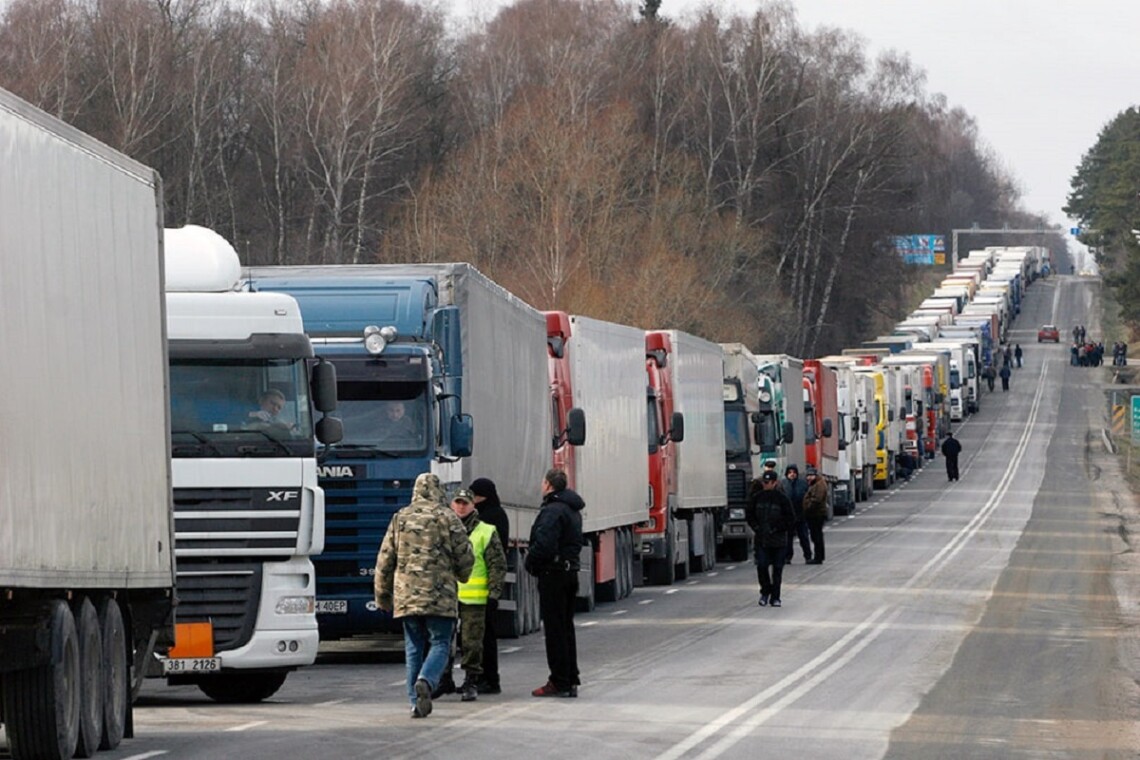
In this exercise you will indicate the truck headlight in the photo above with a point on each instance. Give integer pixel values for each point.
(735, 514)
(296, 605)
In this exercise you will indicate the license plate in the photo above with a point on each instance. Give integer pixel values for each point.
(192, 665)
(332, 606)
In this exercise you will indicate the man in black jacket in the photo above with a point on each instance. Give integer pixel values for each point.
(492, 513)
(770, 515)
(553, 557)
(951, 449)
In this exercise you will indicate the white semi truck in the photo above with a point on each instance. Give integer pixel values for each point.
(86, 544)
(248, 513)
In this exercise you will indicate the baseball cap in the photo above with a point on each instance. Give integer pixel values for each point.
(769, 475)
(464, 494)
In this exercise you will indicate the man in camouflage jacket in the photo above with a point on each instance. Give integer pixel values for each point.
(424, 556)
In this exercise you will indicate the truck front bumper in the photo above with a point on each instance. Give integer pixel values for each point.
(652, 547)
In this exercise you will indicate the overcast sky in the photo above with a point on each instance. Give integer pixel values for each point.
(1040, 78)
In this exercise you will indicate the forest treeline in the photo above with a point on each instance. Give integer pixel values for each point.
(738, 177)
(1105, 198)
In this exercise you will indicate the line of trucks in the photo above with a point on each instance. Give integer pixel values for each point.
(159, 519)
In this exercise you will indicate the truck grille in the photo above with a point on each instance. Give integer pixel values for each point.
(226, 594)
(236, 522)
(737, 487)
(357, 514)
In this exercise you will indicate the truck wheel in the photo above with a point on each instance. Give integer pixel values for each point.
(92, 679)
(41, 704)
(116, 698)
(627, 564)
(244, 688)
(709, 561)
(587, 595)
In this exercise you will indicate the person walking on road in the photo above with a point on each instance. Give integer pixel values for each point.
(770, 515)
(423, 558)
(794, 489)
(1004, 375)
(491, 511)
(555, 546)
(950, 450)
(1017, 354)
(815, 511)
(990, 375)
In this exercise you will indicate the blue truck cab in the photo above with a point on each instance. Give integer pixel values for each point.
(399, 366)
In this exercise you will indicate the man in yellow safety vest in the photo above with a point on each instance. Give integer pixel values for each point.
(486, 582)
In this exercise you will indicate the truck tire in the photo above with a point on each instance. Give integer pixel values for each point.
(41, 704)
(241, 688)
(117, 697)
(662, 572)
(587, 596)
(92, 679)
(626, 564)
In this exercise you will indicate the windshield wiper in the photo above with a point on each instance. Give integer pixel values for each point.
(361, 450)
(203, 443)
(278, 446)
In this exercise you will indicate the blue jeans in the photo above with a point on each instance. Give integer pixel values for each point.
(427, 646)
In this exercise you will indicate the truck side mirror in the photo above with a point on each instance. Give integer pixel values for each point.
(866, 428)
(677, 427)
(890, 415)
(575, 427)
(330, 430)
(842, 445)
(789, 433)
(826, 427)
(324, 386)
(462, 435)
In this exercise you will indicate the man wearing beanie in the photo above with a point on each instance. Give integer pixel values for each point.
(491, 512)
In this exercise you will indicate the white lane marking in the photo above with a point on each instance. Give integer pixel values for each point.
(646, 601)
(335, 702)
(742, 710)
(672, 590)
(619, 612)
(145, 755)
(248, 726)
(587, 624)
(508, 650)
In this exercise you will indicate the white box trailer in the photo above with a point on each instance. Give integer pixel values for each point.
(785, 378)
(697, 372)
(856, 395)
(610, 470)
(86, 532)
(607, 372)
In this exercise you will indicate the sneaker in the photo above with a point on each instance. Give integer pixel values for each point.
(488, 688)
(776, 603)
(423, 697)
(416, 712)
(574, 692)
(763, 600)
(468, 692)
(548, 689)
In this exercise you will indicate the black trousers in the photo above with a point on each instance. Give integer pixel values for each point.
(491, 646)
(557, 593)
(815, 528)
(952, 467)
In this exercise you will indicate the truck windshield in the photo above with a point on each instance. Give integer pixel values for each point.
(240, 407)
(736, 443)
(387, 416)
(955, 379)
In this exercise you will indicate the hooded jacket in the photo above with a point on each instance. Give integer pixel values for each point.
(424, 556)
(491, 509)
(795, 489)
(556, 536)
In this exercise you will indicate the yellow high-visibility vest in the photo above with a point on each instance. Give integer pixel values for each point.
(475, 590)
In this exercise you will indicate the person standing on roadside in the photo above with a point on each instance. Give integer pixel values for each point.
(951, 448)
(815, 512)
(491, 511)
(423, 558)
(1004, 375)
(770, 515)
(794, 489)
(555, 545)
(475, 594)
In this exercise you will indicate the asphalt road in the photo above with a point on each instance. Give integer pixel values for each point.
(994, 617)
